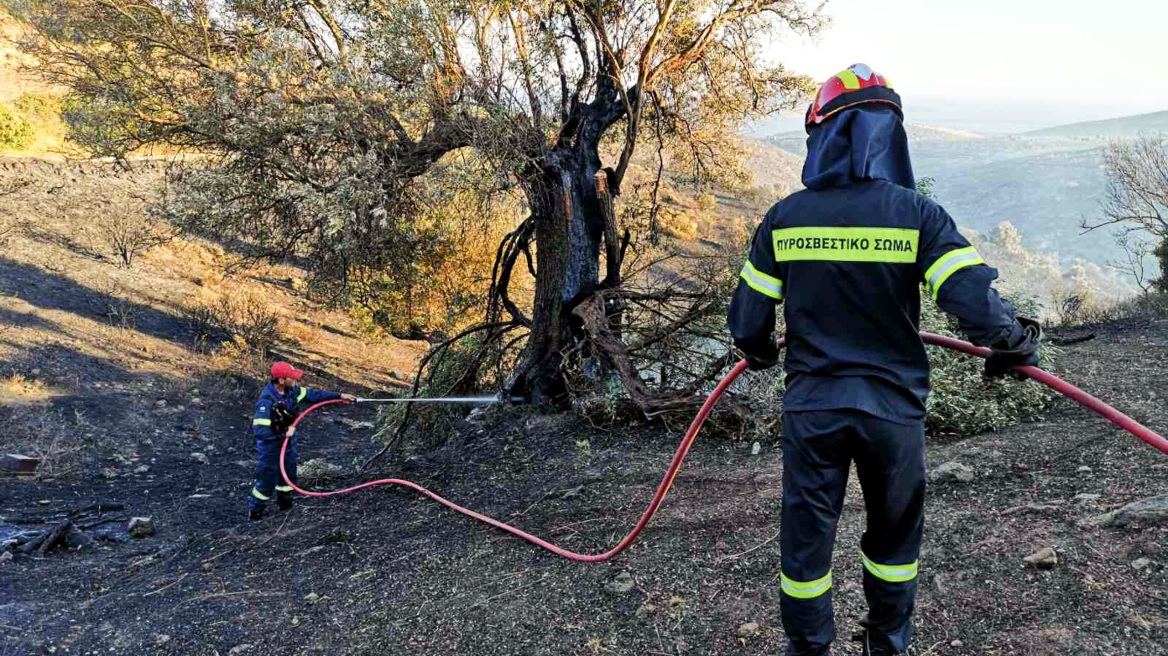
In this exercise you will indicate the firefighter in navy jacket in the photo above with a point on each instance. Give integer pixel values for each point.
(847, 257)
(282, 399)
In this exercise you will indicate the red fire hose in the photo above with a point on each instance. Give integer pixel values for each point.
(1059, 385)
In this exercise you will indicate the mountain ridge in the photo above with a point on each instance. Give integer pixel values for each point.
(1118, 127)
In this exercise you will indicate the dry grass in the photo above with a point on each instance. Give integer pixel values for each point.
(20, 389)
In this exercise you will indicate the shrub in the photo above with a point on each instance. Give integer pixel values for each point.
(128, 235)
(963, 402)
(250, 321)
(15, 130)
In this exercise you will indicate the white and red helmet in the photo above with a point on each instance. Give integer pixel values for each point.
(856, 85)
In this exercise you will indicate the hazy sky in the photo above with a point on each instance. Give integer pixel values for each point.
(1035, 61)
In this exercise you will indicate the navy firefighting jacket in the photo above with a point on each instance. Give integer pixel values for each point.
(294, 400)
(847, 257)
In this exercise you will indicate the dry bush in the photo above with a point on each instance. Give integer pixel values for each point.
(129, 234)
(248, 319)
(1145, 308)
(678, 223)
(45, 434)
(119, 310)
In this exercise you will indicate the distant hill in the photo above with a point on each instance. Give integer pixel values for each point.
(1123, 127)
(772, 165)
(796, 142)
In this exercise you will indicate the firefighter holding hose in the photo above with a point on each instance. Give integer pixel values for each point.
(282, 399)
(846, 257)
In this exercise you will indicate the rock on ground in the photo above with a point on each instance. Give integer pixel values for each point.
(748, 630)
(141, 527)
(1153, 510)
(1044, 558)
(951, 471)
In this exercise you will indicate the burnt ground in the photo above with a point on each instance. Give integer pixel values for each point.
(385, 572)
(99, 373)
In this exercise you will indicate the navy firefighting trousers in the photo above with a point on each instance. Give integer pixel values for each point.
(267, 470)
(818, 449)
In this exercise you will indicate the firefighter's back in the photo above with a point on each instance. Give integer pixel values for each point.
(849, 262)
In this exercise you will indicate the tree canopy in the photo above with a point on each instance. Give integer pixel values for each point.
(379, 138)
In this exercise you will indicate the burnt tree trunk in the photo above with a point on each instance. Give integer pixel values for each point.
(569, 229)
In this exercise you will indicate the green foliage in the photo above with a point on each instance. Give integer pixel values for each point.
(15, 130)
(40, 109)
(1161, 254)
(963, 402)
(925, 187)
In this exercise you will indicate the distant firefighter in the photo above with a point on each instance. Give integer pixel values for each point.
(281, 401)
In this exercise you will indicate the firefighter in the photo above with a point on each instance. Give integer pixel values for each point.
(282, 399)
(847, 256)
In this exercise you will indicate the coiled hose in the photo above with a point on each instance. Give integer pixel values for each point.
(1056, 383)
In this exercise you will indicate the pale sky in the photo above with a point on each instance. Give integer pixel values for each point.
(1081, 60)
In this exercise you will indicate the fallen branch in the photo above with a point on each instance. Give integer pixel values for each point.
(615, 353)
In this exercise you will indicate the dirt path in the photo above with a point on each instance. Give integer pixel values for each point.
(383, 572)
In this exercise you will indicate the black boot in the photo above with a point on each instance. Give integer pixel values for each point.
(255, 514)
(284, 500)
(877, 647)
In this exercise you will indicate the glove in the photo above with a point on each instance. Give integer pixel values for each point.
(763, 361)
(1023, 353)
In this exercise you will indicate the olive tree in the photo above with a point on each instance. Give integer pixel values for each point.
(328, 127)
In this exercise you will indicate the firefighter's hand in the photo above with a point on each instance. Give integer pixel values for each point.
(1004, 359)
(291, 431)
(349, 398)
(760, 362)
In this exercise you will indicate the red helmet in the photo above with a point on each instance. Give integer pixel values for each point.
(857, 85)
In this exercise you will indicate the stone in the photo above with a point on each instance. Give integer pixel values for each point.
(755, 449)
(1044, 558)
(201, 458)
(109, 472)
(141, 469)
(240, 649)
(1086, 500)
(621, 584)
(1084, 470)
(196, 401)
(1141, 564)
(161, 639)
(957, 644)
(312, 598)
(1153, 510)
(6, 557)
(748, 630)
(141, 527)
(951, 471)
(160, 403)
(18, 464)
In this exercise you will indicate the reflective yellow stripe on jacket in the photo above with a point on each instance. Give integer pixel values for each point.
(947, 265)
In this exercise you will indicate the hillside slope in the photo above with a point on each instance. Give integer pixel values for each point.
(1112, 128)
(384, 572)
